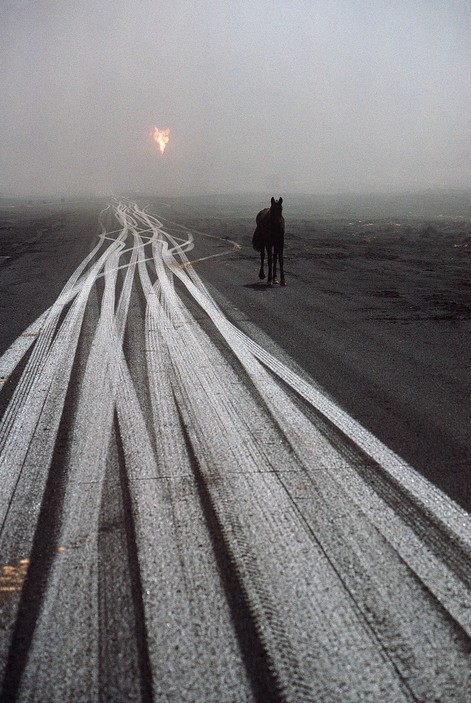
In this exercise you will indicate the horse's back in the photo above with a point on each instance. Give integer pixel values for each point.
(262, 215)
(258, 239)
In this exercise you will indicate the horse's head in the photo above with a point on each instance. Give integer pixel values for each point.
(276, 210)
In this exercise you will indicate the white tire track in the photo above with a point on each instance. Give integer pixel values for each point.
(298, 430)
(349, 577)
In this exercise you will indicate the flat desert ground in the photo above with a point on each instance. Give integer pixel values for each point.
(377, 309)
(211, 488)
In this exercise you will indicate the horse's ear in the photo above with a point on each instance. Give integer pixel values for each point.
(273, 201)
(281, 201)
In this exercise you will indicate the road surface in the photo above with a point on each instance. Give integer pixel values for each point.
(186, 515)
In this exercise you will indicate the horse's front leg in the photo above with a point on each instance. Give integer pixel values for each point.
(261, 274)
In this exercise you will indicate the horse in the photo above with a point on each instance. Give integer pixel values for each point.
(269, 235)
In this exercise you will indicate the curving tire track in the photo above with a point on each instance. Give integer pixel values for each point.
(222, 531)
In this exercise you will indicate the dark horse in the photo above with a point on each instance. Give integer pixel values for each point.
(269, 235)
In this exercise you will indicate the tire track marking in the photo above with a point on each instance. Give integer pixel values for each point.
(206, 408)
(74, 627)
(448, 518)
(30, 441)
(273, 407)
(80, 529)
(208, 662)
(294, 524)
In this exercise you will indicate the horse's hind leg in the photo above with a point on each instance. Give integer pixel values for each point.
(261, 274)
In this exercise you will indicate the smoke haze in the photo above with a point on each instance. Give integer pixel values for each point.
(269, 95)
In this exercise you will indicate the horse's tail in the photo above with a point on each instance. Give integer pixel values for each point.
(257, 240)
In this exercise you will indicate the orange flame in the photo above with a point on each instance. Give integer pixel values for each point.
(161, 137)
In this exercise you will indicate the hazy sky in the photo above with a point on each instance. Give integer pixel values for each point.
(259, 95)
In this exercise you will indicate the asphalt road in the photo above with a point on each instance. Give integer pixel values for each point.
(382, 325)
(212, 490)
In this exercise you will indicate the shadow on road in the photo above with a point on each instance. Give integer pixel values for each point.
(259, 286)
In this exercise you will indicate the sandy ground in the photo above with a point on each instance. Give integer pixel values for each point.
(180, 520)
(377, 308)
(41, 243)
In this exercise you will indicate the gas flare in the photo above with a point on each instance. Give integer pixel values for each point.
(161, 137)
